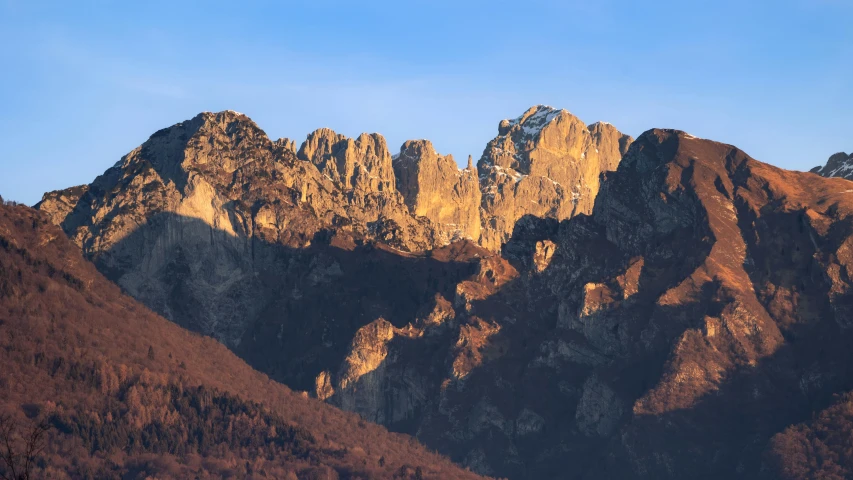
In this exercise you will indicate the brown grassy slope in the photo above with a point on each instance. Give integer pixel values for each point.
(132, 394)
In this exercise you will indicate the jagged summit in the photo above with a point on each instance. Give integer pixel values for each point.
(532, 121)
(838, 165)
(362, 164)
(433, 186)
(544, 163)
(641, 309)
(548, 144)
(216, 187)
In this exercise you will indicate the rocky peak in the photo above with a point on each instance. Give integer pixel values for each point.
(285, 145)
(434, 187)
(611, 144)
(544, 163)
(361, 164)
(203, 196)
(209, 143)
(838, 165)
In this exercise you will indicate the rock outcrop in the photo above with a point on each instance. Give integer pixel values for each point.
(434, 187)
(60, 203)
(698, 311)
(362, 164)
(193, 220)
(544, 163)
(184, 221)
(698, 308)
(838, 165)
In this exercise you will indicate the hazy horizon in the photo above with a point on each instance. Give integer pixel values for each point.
(89, 82)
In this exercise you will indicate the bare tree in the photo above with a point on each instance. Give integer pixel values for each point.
(18, 452)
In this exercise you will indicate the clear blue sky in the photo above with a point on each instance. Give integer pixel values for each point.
(85, 82)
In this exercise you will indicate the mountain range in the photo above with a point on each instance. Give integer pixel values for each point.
(577, 304)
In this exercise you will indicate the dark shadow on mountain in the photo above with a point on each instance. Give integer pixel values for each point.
(515, 357)
(724, 434)
(131, 395)
(297, 308)
(314, 299)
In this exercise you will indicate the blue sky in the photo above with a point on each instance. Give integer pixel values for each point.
(85, 82)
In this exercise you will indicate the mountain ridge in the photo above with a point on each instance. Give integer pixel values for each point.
(838, 165)
(631, 301)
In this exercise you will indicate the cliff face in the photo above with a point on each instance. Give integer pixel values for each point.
(544, 163)
(329, 267)
(362, 165)
(434, 187)
(698, 312)
(193, 220)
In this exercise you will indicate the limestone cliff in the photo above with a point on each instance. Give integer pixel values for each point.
(183, 222)
(544, 163)
(60, 203)
(362, 164)
(434, 187)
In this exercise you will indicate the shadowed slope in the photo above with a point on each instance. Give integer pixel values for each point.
(699, 310)
(130, 394)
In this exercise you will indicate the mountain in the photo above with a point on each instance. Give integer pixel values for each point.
(838, 165)
(433, 187)
(661, 308)
(690, 327)
(544, 163)
(202, 220)
(129, 394)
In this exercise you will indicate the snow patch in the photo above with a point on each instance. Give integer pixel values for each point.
(844, 169)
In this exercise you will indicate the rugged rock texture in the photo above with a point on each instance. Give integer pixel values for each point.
(434, 187)
(58, 204)
(544, 163)
(209, 220)
(186, 222)
(838, 165)
(677, 332)
(363, 164)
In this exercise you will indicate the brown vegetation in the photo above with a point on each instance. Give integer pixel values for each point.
(128, 394)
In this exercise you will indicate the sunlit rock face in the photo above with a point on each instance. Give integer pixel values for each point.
(545, 163)
(192, 221)
(666, 332)
(699, 306)
(362, 164)
(434, 187)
